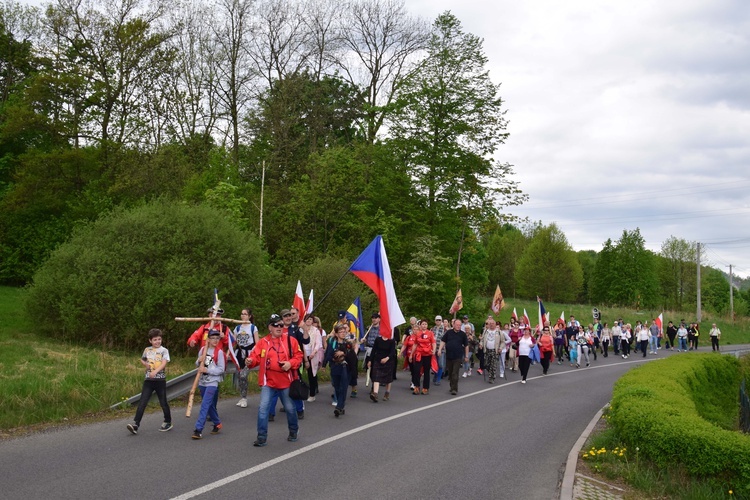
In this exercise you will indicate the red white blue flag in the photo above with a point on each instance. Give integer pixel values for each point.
(372, 267)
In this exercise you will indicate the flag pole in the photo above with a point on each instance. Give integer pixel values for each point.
(329, 291)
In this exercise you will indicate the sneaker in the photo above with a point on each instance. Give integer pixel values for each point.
(502, 374)
(437, 383)
(492, 380)
(338, 411)
(425, 392)
(464, 375)
(259, 443)
(242, 403)
(453, 393)
(353, 394)
(271, 418)
(587, 364)
(386, 396)
(216, 429)
(469, 372)
(479, 371)
(292, 436)
(311, 399)
(374, 397)
(166, 426)
(197, 434)
(133, 428)
(300, 415)
(523, 381)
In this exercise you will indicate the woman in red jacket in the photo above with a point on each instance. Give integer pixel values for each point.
(546, 348)
(421, 357)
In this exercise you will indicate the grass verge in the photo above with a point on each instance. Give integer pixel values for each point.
(606, 458)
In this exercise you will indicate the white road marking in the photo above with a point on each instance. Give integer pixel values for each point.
(252, 470)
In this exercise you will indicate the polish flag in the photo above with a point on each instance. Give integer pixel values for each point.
(299, 302)
(310, 307)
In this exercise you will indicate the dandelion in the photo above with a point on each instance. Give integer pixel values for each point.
(730, 492)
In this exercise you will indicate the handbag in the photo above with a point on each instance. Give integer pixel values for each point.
(298, 390)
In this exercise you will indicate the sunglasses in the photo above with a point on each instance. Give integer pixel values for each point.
(277, 325)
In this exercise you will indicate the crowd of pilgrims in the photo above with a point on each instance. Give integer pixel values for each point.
(449, 348)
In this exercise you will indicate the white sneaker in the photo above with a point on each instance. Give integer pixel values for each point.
(239, 403)
(242, 403)
(464, 375)
(523, 381)
(311, 399)
(502, 374)
(469, 372)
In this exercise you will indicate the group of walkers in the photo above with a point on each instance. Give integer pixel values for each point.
(449, 349)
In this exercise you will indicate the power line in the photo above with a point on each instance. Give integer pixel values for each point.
(629, 197)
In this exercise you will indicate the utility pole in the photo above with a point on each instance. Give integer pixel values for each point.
(698, 281)
(262, 186)
(731, 294)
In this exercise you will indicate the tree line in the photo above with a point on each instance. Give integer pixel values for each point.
(313, 124)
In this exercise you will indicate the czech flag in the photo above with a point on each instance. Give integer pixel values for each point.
(542, 314)
(372, 267)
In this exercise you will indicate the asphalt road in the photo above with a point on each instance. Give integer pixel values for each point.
(505, 440)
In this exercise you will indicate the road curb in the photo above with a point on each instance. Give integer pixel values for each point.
(566, 490)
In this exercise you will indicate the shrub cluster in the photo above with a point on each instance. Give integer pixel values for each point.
(137, 269)
(683, 411)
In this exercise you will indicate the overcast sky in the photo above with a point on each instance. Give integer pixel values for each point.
(625, 115)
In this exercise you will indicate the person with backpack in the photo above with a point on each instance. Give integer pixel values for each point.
(245, 338)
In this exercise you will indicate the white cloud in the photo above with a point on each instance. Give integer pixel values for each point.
(643, 99)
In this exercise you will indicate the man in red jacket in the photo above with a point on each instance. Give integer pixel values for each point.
(279, 357)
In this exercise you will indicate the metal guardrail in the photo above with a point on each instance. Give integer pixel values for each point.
(176, 387)
(744, 408)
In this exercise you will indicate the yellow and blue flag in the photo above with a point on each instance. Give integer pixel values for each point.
(354, 315)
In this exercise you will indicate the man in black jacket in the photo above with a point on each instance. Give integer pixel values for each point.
(456, 346)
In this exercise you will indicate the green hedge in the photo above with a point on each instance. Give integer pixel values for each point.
(684, 410)
(137, 269)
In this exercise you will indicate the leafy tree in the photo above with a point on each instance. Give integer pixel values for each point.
(587, 259)
(133, 270)
(548, 267)
(603, 276)
(322, 274)
(634, 272)
(504, 247)
(428, 278)
(677, 272)
(448, 122)
(714, 290)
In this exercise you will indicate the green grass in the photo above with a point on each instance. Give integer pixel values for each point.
(45, 381)
(612, 460)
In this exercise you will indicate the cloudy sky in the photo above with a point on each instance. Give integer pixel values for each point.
(625, 115)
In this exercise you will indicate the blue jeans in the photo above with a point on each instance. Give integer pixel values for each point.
(340, 380)
(299, 405)
(653, 343)
(267, 396)
(683, 343)
(207, 407)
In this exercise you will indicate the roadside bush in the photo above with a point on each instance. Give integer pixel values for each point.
(684, 410)
(137, 269)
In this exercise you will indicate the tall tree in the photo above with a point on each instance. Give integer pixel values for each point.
(549, 267)
(677, 272)
(449, 122)
(232, 38)
(382, 39)
(504, 247)
(634, 270)
(119, 49)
